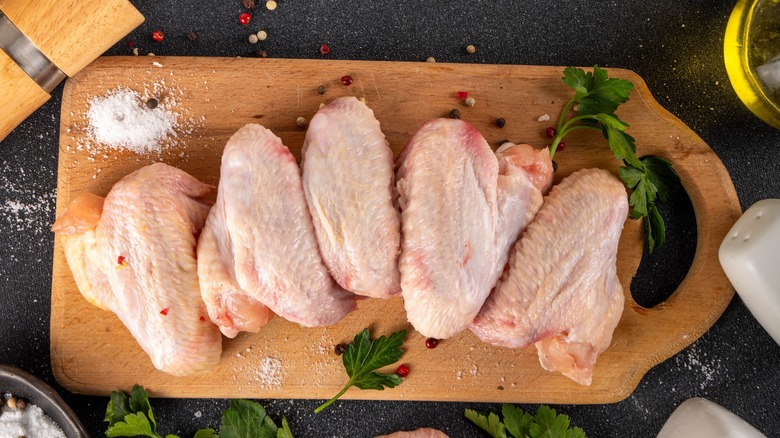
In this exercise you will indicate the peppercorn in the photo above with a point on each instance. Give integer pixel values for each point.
(550, 132)
(454, 114)
(253, 39)
(430, 59)
(431, 343)
(471, 49)
(500, 122)
(470, 101)
(321, 89)
(11, 402)
(402, 370)
(158, 35)
(245, 18)
(362, 99)
(324, 49)
(555, 166)
(461, 95)
(340, 349)
(151, 104)
(561, 146)
(270, 5)
(21, 403)
(135, 51)
(249, 4)
(262, 54)
(346, 80)
(192, 36)
(300, 121)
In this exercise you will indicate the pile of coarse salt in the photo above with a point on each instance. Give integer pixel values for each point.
(30, 422)
(122, 120)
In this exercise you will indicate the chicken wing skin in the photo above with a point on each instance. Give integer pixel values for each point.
(348, 183)
(560, 290)
(258, 247)
(134, 254)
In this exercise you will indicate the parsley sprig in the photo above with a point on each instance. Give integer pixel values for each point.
(132, 416)
(520, 424)
(363, 357)
(651, 179)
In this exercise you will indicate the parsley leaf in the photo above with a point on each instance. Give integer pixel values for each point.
(246, 419)
(520, 424)
(651, 179)
(490, 424)
(363, 357)
(128, 417)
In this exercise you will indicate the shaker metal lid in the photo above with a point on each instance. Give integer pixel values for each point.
(28, 56)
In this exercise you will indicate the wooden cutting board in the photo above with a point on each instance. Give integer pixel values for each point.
(93, 353)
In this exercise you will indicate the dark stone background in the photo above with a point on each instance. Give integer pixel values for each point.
(675, 45)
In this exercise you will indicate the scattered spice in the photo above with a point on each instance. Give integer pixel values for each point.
(164, 312)
(270, 5)
(362, 99)
(121, 261)
(300, 121)
(461, 95)
(192, 36)
(500, 122)
(262, 53)
(431, 343)
(150, 54)
(500, 387)
(21, 403)
(561, 146)
(130, 43)
(152, 103)
(340, 349)
(158, 35)
(252, 39)
(262, 35)
(454, 114)
(430, 59)
(202, 318)
(470, 101)
(135, 51)
(324, 49)
(11, 402)
(245, 18)
(321, 89)
(346, 80)
(249, 4)
(471, 49)
(550, 132)
(402, 370)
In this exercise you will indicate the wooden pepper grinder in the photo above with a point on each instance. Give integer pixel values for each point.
(44, 41)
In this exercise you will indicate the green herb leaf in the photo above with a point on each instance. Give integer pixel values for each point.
(490, 424)
(595, 92)
(246, 419)
(545, 424)
(284, 431)
(649, 178)
(130, 416)
(206, 433)
(363, 356)
(517, 421)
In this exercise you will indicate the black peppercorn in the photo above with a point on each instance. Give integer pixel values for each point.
(321, 89)
(455, 114)
(340, 349)
(192, 36)
(500, 122)
(152, 103)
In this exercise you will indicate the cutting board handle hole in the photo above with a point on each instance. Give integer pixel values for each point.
(659, 273)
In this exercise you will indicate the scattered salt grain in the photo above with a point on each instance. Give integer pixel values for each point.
(157, 64)
(270, 372)
(544, 118)
(30, 422)
(121, 120)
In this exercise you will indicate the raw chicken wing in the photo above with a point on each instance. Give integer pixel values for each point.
(348, 183)
(258, 247)
(419, 433)
(134, 254)
(560, 290)
(462, 208)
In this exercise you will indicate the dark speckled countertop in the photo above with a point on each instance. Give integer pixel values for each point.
(675, 45)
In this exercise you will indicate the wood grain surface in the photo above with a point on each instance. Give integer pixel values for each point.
(93, 353)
